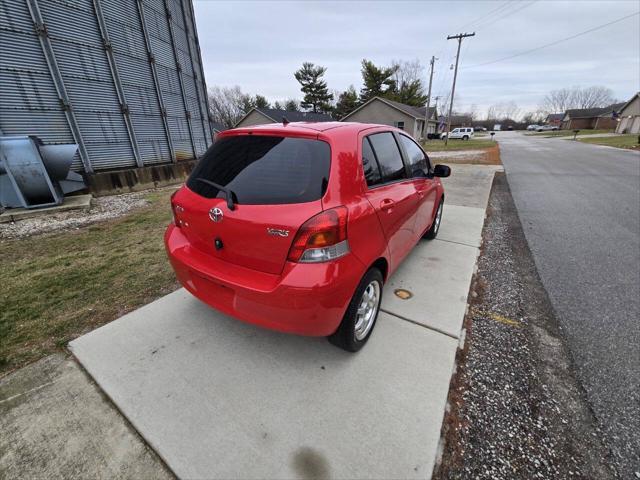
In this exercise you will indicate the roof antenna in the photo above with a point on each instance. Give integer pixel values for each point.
(285, 122)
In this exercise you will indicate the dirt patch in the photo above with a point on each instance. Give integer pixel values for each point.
(484, 156)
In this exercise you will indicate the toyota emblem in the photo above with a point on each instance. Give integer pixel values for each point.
(216, 214)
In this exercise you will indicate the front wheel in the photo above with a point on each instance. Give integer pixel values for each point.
(362, 312)
(435, 226)
(466, 137)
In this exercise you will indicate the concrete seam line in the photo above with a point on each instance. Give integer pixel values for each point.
(128, 420)
(428, 327)
(8, 399)
(453, 241)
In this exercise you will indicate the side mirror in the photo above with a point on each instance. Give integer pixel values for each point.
(441, 171)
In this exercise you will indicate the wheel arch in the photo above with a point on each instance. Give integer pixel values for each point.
(383, 265)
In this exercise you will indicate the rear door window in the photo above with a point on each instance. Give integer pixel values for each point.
(389, 157)
(370, 164)
(264, 170)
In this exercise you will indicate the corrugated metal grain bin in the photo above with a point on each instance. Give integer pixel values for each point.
(121, 78)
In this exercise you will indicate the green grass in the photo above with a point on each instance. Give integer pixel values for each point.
(566, 133)
(455, 145)
(619, 141)
(59, 286)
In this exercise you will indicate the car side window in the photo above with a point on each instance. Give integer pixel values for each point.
(417, 158)
(388, 155)
(370, 164)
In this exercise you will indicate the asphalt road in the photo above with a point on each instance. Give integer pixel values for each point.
(579, 206)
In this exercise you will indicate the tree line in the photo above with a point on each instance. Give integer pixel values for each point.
(401, 81)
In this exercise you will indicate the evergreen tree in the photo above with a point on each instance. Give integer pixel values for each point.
(377, 81)
(411, 93)
(261, 102)
(316, 93)
(247, 103)
(347, 102)
(278, 106)
(291, 105)
(410, 89)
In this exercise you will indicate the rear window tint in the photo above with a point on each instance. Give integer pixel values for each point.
(370, 164)
(264, 170)
(389, 158)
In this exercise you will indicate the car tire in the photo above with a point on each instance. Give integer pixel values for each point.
(466, 137)
(435, 226)
(361, 315)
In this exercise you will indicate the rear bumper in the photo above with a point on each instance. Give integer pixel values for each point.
(305, 299)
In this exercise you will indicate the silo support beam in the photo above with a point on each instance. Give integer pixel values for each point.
(113, 67)
(174, 45)
(56, 75)
(156, 80)
(199, 82)
(204, 83)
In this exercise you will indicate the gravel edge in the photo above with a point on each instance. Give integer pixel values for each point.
(515, 408)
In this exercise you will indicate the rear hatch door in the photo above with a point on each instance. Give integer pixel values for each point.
(276, 184)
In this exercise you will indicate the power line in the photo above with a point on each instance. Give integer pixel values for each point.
(489, 13)
(506, 14)
(526, 52)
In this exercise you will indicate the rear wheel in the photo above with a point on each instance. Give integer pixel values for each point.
(362, 312)
(435, 226)
(466, 137)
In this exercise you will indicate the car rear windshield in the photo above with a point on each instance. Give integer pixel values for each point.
(264, 170)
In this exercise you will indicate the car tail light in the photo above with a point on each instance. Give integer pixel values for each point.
(176, 209)
(321, 238)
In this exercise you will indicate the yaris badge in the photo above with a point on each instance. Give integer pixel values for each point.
(215, 214)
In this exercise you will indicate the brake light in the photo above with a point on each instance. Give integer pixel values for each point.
(321, 238)
(176, 209)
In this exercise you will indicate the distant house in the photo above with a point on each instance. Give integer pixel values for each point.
(554, 119)
(629, 116)
(460, 121)
(260, 116)
(387, 112)
(591, 118)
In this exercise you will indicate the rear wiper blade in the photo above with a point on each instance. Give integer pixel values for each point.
(227, 192)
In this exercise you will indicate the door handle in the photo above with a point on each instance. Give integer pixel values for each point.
(387, 204)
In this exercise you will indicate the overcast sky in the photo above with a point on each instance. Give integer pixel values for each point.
(258, 45)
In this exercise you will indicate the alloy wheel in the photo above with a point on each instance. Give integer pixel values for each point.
(367, 310)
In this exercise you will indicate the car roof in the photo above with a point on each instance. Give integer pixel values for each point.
(309, 127)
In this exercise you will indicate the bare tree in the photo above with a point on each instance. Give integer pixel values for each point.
(228, 105)
(557, 101)
(407, 71)
(596, 96)
(534, 117)
(564, 99)
(503, 111)
(408, 78)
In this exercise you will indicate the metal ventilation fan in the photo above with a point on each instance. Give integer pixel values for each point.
(34, 175)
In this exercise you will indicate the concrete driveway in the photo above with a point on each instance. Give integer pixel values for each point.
(218, 398)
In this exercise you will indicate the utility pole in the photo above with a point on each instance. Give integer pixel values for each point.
(458, 37)
(426, 112)
(436, 98)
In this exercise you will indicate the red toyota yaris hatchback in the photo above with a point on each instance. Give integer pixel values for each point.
(296, 226)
